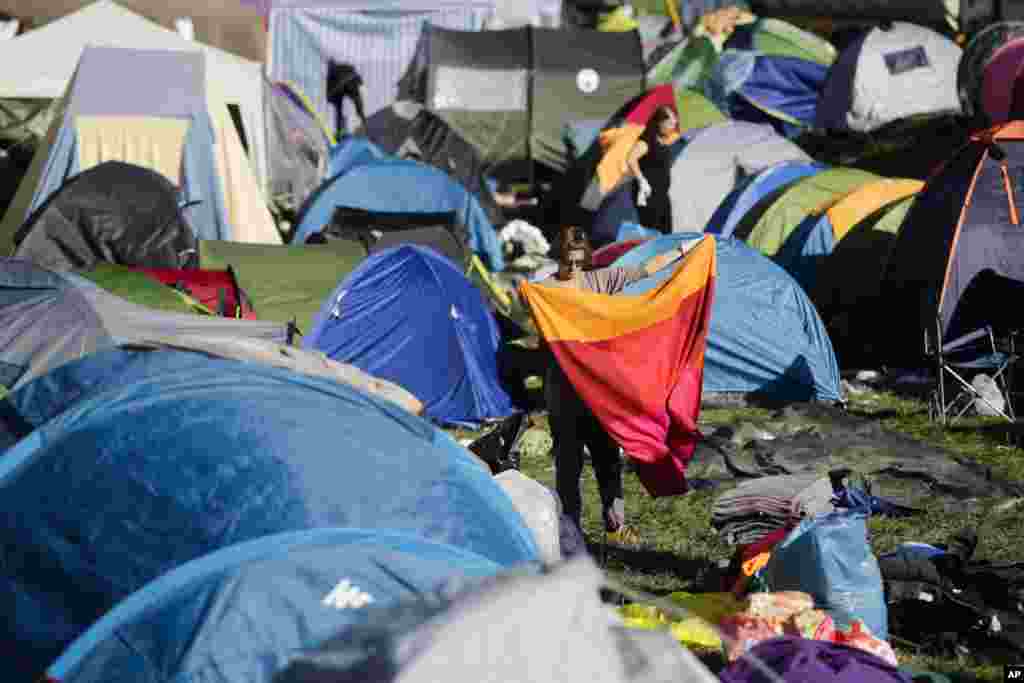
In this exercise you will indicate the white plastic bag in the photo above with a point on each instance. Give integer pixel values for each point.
(539, 508)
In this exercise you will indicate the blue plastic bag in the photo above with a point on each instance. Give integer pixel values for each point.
(830, 558)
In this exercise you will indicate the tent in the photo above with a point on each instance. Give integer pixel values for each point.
(401, 186)
(519, 626)
(378, 230)
(795, 214)
(970, 73)
(377, 37)
(284, 282)
(299, 146)
(215, 290)
(141, 289)
(169, 456)
(117, 108)
(762, 187)
(780, 91)
(959, 15)
(407, 315)
(805, 252)
(351, 151)
(766, 337)
(959, 254)
(48, 56)
(408, 131)
(889, 74)
(716, 159)
(1002, 90)
(277, 596)
(49, 319)
(114, 212)
(507, 92)
(229, 25)
(776, 38)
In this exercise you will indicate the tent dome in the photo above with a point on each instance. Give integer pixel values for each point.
(407, 315)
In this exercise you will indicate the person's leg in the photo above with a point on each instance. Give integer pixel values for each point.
(604, 456)
(565, 418)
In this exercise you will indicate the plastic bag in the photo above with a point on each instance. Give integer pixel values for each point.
(829, 557)
(539, 508)
(697, 631)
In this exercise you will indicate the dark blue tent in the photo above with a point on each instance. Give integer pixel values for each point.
(407, 315)
(753, 190)
(766, 337)
(161, 457)
(241, 614)
(401, 186)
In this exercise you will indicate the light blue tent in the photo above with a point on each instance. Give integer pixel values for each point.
(407, 315)
(159, 84)
(242, 614)
(157, 458)
(401, 186)
(752, 190)
(766, 337)
(351, 151)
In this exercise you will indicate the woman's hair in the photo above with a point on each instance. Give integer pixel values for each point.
(662, 113)
(573, 238)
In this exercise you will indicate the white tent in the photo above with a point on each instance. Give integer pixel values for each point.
(41, 63)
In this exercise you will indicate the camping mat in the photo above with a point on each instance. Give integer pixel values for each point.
(817, 438)
(285, 283)
(141, 289)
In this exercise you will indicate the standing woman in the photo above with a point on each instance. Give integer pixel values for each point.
(650, 161)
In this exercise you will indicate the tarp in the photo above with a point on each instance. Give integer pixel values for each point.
(638, 361)
(408, 315)
(285, 283)
(716, 159)
(276, 596)
(49, 54)
(889, 74)
(760, 187)
(48, 319)
(114, 212)
(963, 224)
(766, 337)
(401, 186)
(377, 37)
(167, 456)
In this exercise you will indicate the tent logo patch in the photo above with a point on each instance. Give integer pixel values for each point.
(587, 80)
(346, 596)
(906, 60)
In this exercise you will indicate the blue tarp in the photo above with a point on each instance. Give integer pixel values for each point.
(766, 336)
(242, 614)
(161, 457)
(401, 186)
(407, 315)
(754, 189)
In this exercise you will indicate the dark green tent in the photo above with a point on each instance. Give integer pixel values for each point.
(509, 93)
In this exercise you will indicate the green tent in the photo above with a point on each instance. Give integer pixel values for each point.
(778, 38)
(769, 223)
(696, 111)
(142, 289)
(287, 282)
(687, 65)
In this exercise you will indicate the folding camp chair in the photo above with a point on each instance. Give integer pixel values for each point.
(971, 353)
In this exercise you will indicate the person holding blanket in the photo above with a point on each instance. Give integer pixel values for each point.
(573, 425)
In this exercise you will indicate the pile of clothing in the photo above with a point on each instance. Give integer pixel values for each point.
(759, 507)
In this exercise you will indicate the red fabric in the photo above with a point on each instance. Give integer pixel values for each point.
(609, 253)
(205, 286)
(654, 98)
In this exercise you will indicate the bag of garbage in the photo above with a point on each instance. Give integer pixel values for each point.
(539, 508)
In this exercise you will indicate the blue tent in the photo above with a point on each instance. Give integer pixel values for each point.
(351, 151)
(780, 91)
(407, 315)
(754, 189)
(766, 336)
(241, 614)
(157, 458)
(401, 186)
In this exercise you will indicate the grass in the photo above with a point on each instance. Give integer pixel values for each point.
(683, 550)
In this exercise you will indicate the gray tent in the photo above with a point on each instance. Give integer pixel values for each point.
(710, 165)
(889, 74)
(48, 319)
(509, 93)
(515, 627)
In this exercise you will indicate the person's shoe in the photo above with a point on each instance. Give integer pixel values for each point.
(625, 536)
